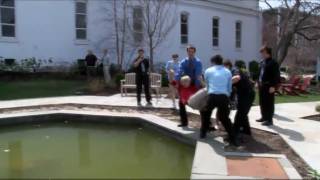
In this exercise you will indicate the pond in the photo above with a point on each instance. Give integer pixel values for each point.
(87, 150)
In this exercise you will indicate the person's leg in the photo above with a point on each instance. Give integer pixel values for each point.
(172, 94)
(206, 118)
(264, 102)
(222, 102)
(261, 102)
(146, 84)
(269, 104)
(246, 123)
(139, 87)
(183, 114)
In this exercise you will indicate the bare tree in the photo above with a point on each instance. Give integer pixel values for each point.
(120, 29)
(295, 18)
(159, 18)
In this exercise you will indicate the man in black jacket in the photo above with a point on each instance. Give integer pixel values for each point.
(141, 65)
(269, 78)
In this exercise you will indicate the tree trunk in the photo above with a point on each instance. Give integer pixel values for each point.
(123, 33)
(116, 27)
(151, 53)
(283, 47)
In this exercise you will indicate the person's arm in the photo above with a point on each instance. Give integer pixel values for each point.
(137, 61)
(181, 70)
(229, 83)
(199, 74)
(167, 66)
(147, 65)
(236, 79)
(275, 79)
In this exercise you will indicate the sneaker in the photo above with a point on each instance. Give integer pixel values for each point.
(149, 103)
(260, 120)
(267, 123)
(183, 125)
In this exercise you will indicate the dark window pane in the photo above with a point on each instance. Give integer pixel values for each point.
(81, 34)
(81, 7)
(9, 3)
(7, 15)
(138, 27)
(8, 31)
(215, 42)
(137, 12)
(81, 21)
(184, 29)
(184, 39)
(184, 18)
(238, 25)
(215, 22)
(215, 33)
(238, 44)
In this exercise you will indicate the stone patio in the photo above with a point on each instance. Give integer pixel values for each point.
(300, 134)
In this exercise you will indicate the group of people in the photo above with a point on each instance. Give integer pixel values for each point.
(221, 82)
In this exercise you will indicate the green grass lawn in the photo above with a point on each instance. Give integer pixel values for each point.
(313, 96)
(10, 90)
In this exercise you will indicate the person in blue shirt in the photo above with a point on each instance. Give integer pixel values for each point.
(190, 66)
(172, 69)
(219, 86)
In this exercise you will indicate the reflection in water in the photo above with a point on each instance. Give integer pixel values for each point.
(15, 159)
(84, 149)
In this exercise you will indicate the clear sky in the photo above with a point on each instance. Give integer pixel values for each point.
(274, 3)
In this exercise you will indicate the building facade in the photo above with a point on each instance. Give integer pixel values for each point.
(64, 30)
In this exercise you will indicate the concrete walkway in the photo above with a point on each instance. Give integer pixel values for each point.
(302, 135)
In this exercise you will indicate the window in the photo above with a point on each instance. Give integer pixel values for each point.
(138, 24)
(184, 18)
(215, 32)
(81, 19)
(238, 34)
(7, 18)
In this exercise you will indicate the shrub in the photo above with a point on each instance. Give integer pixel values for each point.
(314, 174)
(118, 78)
(254, 70)
(318, 108)
(241, 64)
(114, 70)
(82, 68)
(9, 62)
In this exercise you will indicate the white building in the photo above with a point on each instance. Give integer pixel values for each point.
(47, 29)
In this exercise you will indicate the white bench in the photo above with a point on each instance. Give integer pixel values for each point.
(129, 82)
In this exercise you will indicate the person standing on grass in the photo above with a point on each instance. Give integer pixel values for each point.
(269, 79)
(172, 69)
(190, 66)
(141, 65)
(91, 61)
(219, 86)
(105, 59)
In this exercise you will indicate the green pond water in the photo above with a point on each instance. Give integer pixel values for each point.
(77, 150)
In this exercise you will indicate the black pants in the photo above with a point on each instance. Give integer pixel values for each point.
(266, 101)
(143, 79)
(222, 103)
(183, 114)
(241, 119)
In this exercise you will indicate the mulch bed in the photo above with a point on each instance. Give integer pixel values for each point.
(260, 142)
